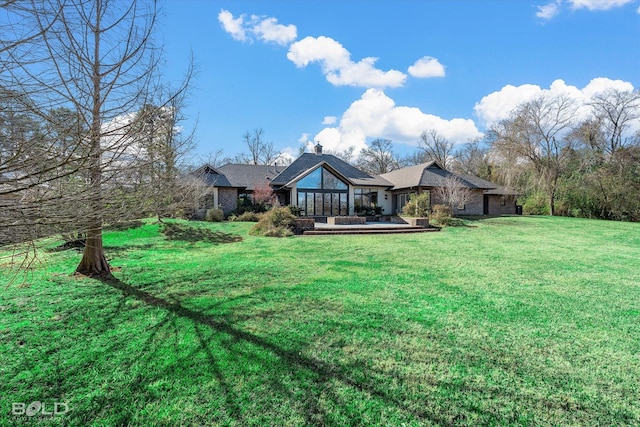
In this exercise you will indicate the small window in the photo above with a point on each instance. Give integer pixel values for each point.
(460, 207)
(503, 201)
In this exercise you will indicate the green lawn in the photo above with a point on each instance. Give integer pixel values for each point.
(510, 321)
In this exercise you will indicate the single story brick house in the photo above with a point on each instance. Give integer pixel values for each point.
(230, 182)
(323, 185)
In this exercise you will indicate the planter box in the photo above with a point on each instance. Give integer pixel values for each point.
(415, 222)
(346, 220)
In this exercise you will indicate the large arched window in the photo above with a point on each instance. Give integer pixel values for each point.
(321, 193)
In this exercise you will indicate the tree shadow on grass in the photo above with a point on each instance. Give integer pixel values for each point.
(186, 233)
(281, 366)
(77, 245)
(125, 225)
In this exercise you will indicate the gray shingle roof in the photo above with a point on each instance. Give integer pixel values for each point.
(247, 176)
(431, 174)
(502, 191)
(211, 176)
(309, 161)
(234, 175)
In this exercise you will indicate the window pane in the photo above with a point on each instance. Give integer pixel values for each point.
(327, 204)
(344, 210)
(331, 182)
(374, 197)
(302, 205)
(318, 204)
(313, 180)
(309, 204)
(335, 203)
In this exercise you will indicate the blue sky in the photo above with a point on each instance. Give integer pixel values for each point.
(346, 72)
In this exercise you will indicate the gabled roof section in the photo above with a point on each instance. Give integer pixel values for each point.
(211, 176)
(431, 174)
(408, 177)
(234, 175)
(248, 176)
(308, 162)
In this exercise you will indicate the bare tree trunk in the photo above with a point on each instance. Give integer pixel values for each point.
(93, 262)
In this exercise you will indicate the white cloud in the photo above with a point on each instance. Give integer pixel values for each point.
(498, 105)
(264, 28)
(549, 10)
(235, 27)
(598, 4)
(375, 115)
(552, 9)
(602, 84)
(269, 30)
(304, 138)
(338, 67)
(426, 67)
(329, 120)
(334, 59)
(287, 156)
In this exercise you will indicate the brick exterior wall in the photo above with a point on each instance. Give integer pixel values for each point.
(227, 200)
(474, 206)
(496, 207)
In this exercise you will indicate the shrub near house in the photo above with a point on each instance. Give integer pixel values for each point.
(278, 222)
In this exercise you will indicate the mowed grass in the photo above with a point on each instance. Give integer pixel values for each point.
(510, 321)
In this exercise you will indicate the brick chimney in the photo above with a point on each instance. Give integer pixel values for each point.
(318, 149)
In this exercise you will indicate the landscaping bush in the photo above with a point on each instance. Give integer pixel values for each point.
(417, 206)
(441, 214)
(246, 217)
(214, 215)
(278, 222)
(295, 211)
(247, 203)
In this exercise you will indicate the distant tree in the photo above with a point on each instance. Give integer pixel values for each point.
(261, 152)
(603, 183)
(472, 158)
(255, 145)
(164, 145)
(434, 146)
(213, 159)
(537, 133)
(378, 157)
(614, 110)
(269, 154)
(347, 154)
